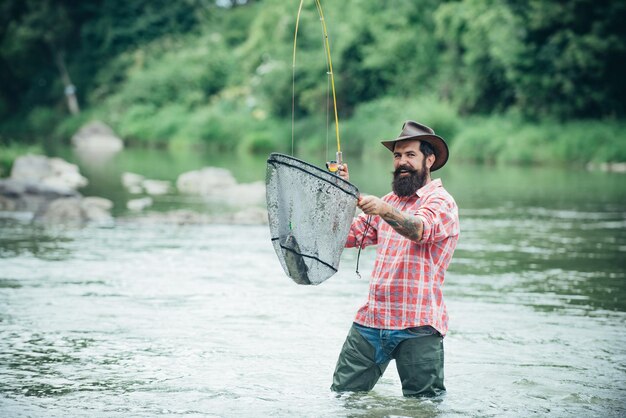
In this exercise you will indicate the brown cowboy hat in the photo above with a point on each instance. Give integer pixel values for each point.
(414, 130)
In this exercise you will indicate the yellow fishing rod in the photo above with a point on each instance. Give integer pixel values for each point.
(333, 165)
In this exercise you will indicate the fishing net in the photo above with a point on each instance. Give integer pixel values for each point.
(310, 211)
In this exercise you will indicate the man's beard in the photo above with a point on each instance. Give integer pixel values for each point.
(407, 185)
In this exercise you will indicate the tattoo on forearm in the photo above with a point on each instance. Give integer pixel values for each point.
(408, 226)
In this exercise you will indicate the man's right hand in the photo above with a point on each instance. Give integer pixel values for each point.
(343, 171)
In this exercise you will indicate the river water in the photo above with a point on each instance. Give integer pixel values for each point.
(147, 319)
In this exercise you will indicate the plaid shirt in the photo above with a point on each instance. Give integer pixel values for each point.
(406, 285)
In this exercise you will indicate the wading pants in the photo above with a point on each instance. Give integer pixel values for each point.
(367, 352)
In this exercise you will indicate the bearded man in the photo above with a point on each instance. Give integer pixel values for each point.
(416, 228)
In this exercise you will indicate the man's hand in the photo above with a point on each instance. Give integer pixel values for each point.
(343, 171)
(373, 205)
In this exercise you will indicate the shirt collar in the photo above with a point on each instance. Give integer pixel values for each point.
(429, 188)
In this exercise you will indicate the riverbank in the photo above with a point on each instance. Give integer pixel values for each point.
(491, 141)
(496, 139)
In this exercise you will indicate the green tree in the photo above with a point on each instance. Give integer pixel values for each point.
(386, 49)
(574, 58)
(42, 42)
(546, 58)
(481, 43)
(34, 42)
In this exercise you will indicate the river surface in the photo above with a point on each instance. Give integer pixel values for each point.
(148, 319)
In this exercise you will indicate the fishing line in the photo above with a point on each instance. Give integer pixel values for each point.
(293, 77)
(358, 256)
(330, 87)
(328, 77)
(329, 62)
(332, 76)
(327, 112)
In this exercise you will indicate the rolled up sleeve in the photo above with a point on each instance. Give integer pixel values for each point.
(362, 235)
(440, 218)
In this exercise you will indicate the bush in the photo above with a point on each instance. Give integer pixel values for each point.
(135, 122)
(591, 141)
(506, 139)
(65, 129)
(43, 119)
(382, 119)
(258, 143)
(185, 74)
(526, 144)
(482, 140)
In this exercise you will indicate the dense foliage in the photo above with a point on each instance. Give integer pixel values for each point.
(220, 72)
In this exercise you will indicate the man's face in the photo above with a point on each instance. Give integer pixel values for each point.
(411, 168)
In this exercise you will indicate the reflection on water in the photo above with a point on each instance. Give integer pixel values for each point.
(19, 238)
(147, 320)
(576, 257)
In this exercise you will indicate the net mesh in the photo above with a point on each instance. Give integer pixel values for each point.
(309, 211)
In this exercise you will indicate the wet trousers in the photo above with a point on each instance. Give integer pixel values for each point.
(366, 353)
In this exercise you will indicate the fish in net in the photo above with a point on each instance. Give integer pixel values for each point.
(310, 211)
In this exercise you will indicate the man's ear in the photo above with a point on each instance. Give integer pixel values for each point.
(430, 160)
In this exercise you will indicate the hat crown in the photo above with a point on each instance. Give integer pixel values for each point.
(412, 128)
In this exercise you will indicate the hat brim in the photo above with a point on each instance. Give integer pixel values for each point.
(439, 145)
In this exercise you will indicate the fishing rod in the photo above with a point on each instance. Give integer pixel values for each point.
(333, 166)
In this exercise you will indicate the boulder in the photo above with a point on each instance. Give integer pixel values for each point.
(205, 181)
(97, 209)
(218, 184)
(137, 205)
(53, 172)
(63, 211)
(132, 180)
(136, 184)
(31, 168)
(156, 187)
(97, 136)
(46, 188)
(29, 196)
(74, 211)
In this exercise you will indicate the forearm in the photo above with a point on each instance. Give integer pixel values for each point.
(408, 226)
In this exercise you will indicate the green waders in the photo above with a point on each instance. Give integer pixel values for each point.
(419, 362)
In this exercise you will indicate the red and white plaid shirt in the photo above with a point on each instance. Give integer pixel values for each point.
(406, 284)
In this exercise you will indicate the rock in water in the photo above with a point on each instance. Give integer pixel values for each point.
(53, 172)
(97, 136)
(46, 188)
(205, 181)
